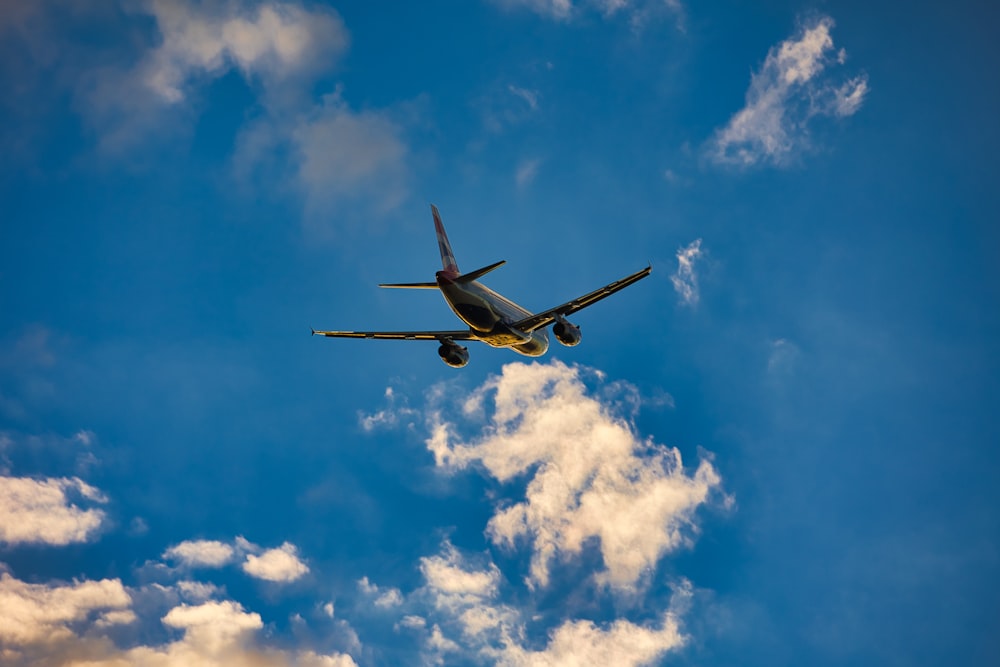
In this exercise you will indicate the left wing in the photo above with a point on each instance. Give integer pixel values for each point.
(546, 317)
(399, 335)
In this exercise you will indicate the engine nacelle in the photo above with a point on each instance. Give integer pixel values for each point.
(454, 355)
(566, 333)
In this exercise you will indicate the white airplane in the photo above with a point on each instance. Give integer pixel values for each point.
(492, 318)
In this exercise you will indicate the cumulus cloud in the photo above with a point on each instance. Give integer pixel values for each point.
(590, 475)
(685, 280)
(64, 624)
(201, 553)
(784, 96)
(465, 617)
(383, 598)
(38, 613)
(44, 512)
(279, 565)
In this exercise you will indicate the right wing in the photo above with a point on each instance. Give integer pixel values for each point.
(547, 317)
(399, 335)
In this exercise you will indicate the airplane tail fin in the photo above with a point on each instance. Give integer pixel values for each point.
(447, 256)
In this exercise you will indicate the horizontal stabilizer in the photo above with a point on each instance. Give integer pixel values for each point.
(479, 273)
(410, 285)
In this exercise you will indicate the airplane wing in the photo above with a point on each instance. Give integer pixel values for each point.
(399, 335)
(546, 317)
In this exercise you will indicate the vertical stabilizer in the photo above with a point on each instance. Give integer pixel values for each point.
(447, 256)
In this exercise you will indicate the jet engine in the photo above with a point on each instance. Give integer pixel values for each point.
(454, 355)
(566, 333)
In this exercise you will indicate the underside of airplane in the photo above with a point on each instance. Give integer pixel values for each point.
(490, 317)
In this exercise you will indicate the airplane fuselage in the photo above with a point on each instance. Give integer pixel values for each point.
(490, 316)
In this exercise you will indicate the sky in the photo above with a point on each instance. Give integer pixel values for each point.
(781, 448)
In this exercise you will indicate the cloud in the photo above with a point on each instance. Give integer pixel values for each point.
(526, 172)
(465, 618)
(64, 624)
(273, 41)
(685, 280)
(278, 565)
(590, 475)
(42, 511)
(388, 417)
(784, 96)
(383, 598)
(37, 613)
(639, 12)
(317, 150)
(201, 553)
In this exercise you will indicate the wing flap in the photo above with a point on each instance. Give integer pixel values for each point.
(398, 335)
(546, 317)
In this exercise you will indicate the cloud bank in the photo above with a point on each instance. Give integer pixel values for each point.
(786, 94)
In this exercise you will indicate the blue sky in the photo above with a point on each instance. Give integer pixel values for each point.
(781, 448)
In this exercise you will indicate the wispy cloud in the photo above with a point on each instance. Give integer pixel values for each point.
(784, 96)
(685, 280)
(638, 11)
(44, 511)
(526, 172)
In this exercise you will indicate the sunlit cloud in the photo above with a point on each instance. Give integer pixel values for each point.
(685, 280)
(786, 93)
(465, 618)
(62, 624)
(279, 565)
(39, 613)
(589, 474)
(201, 553)
(45, 511)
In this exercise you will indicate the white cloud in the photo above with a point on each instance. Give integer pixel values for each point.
(389, 416)
(64, 624)
(590, 475)
(468, 619)
(197, 591)
(37, 613)
(201, 553)
(383, 598)
(685, 280)
(623, 644)
(274, 41)
(784, 96)
(42, 511)
(280, 565)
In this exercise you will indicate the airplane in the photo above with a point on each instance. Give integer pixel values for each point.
(492, 318)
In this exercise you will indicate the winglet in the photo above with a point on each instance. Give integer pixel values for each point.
(447, 256)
